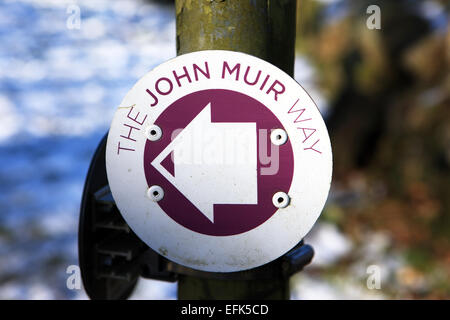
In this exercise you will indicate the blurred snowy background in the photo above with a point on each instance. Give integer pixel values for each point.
(58, 92)
(59, 88)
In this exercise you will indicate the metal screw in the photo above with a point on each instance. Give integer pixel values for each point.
(155, 193)
(281, 199)
(153, 133)
(278, 137)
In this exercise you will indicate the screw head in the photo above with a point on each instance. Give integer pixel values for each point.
(155, 193)
(153, 132)
(278, 137)
(281, 199)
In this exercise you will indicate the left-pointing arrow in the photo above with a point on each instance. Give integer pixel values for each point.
(213, 163)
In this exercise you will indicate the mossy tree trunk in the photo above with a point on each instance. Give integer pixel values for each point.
(263, 28)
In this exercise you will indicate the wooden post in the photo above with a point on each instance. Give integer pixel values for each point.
(262, 28)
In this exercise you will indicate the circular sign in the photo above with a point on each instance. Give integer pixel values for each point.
(219, 161)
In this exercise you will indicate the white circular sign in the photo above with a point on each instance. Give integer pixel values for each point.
(219, 161)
